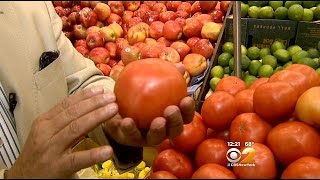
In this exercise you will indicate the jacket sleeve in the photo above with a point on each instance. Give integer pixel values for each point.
(80, 72)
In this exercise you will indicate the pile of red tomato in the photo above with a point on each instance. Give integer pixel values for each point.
(277, 117)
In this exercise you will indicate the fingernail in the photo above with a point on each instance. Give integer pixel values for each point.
(112, 107)
(96, 89)
(109, 97)
(106, 152)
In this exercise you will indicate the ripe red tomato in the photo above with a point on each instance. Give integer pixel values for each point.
(146, 87)
(292, 140)
(308, 108)
(249, 127)
(166, 144)
(310, 73)
(273, 101)
(296, 79)
(174, 162)
(212, 151)
(192, 135)
(244, 100)
(258, 82)
(219, 110)
(265, 165)
(231, 85)
(162, 175)
(213, 171)
(303, 168)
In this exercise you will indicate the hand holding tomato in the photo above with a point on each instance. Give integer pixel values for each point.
(150, 116)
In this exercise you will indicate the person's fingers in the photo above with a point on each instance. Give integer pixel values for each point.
(76, 161)
(80, 109)
(157, 131)
(73, 99)
(131, 133)
(174, 121)
(181, 68)
(83, 125)
(187, 107)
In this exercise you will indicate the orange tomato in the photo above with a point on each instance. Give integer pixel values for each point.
(297, 80)
(244, 100)
(303, 168)
(231, 85)
(265, 165)
(309, 72)
(273, 101)
(249, 127)
(292, 140)
(218, 110)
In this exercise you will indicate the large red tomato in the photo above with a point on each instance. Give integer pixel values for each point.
(146, 87)
(292, 140)
(166, 144)
(231, 85)
(244, 100)
(192, 135)
(303, 168)
(249, 127)
(218, 110)
(310, 73)
(162, 175)
(274, 100)
(212, 151)
(174, 162)
(265, 165)
(308, 107)
(213, 171)
(258, 82)
(297, 80)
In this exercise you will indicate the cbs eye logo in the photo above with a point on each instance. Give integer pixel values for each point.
(234, 155)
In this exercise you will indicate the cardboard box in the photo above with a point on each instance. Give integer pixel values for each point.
(308, 35)
(228, 35)
(263, 32)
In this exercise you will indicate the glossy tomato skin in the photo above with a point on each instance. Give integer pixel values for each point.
(273, 101)
(162, 175)
(292, 140)
(265, 165)
(296, 79)
(258, 82)
(231, 85)
(309, 72)
(212, 151)
(174, 162)
(165, 144)
(244, 100)
(218, 110)
(213, 171)
(146, 87)
(249, 127)
(303, 168)
(308, 108)
(192, 135)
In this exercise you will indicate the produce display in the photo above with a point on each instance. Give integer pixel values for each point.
(114, 33)
(283, 10)
(263, 63)
(270, 129)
